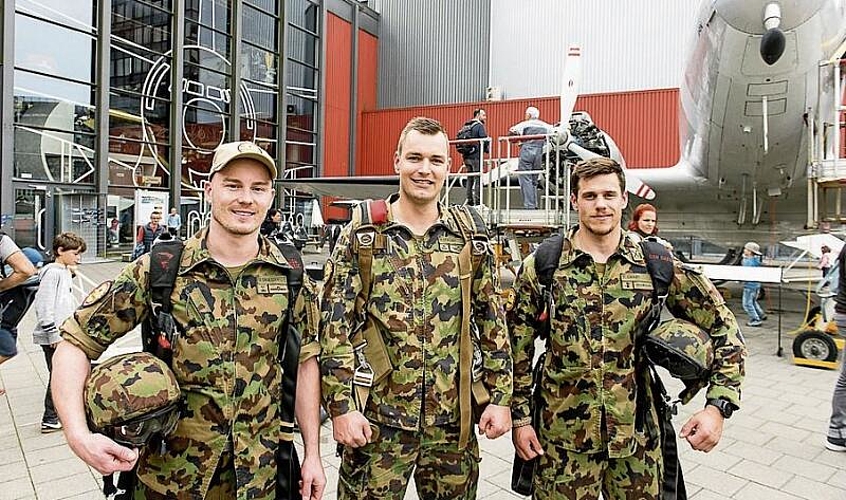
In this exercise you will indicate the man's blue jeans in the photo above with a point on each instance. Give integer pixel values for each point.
(751, 306)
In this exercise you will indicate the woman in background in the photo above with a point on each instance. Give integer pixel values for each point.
(645, 223)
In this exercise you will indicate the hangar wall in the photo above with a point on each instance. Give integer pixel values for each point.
(433, 52)
(644, 124)
(631, 45)
(446, 52)
(337, 136)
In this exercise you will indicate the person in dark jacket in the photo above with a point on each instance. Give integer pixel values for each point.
(270, 226)
(148, 233)
(836, 438)
(473, 158)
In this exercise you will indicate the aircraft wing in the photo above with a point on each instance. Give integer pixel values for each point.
(813, 242)
(355, 187)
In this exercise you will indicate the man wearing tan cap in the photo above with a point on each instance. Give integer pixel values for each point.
(751, 289)
(229, 303)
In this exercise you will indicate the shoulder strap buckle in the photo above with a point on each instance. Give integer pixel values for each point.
(365, 237)
(363, 375)
(481, 245)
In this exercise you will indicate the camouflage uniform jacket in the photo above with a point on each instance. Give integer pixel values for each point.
(590, 372)
(416, 303)
(225, 360)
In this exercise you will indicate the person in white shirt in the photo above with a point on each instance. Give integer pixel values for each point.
(174, 222)
(531, 154)
(54, 303)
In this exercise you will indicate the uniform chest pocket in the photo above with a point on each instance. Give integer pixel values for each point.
(390, 298)
(208, 317)
(569, 341)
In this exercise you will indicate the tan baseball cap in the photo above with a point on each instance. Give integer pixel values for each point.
(229, 151)
(753, 247)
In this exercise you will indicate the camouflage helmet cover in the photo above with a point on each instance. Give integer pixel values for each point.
(685, 350)
(127, 387)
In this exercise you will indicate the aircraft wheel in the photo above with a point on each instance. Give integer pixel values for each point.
(816, 345)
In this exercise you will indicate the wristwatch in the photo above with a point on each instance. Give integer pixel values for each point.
(726, 408)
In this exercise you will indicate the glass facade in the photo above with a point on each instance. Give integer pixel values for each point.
(157, 143)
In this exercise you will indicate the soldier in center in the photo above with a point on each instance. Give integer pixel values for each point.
(412, 334)
(598, 429)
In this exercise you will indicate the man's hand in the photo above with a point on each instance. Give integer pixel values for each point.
(352, 429)
(526, 442)
(314, 479)
(102, 453)
(495, 421)
(704, 429)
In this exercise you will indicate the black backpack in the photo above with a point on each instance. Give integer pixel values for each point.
(15, 302)
(466, 132)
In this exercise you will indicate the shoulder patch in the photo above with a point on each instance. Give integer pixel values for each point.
(98, 293)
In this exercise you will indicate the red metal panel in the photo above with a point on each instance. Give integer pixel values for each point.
(337, 102)
(368, 74)
(644, 125)
(336, 148)
(368, 70)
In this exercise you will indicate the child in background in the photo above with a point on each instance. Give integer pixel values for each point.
(752, 258)
(825, 260)
(54, 303)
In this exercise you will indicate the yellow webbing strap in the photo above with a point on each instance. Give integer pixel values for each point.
(465, 349)
(466, 223)
(365, 263)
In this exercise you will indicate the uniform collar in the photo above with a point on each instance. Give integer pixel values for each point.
(445, 217)
(629, 248)
(196, 251)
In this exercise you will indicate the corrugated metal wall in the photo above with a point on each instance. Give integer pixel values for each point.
(644, 125)
(626, 45)
(433, 51)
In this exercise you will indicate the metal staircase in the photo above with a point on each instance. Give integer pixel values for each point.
(827, 148)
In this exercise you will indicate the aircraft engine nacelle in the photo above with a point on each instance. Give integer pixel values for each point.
(772, 45)
(584, 133)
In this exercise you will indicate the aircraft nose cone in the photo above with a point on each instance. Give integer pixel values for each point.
(772, 46)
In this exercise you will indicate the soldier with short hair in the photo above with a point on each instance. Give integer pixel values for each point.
(415, 418)
(599, 426)
(230, 302)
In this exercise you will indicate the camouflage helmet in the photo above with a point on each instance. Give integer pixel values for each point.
(129, 388)
(685, 350)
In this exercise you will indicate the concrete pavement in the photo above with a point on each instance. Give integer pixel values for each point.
(771, 449)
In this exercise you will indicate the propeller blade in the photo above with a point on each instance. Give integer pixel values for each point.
(570, 84)
(637, 187)
(581, 152)
(633, 184)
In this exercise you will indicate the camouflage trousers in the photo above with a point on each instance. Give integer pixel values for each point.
(565, 474)
(222, 485)
(382, 468)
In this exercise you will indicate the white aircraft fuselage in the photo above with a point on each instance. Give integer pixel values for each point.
(744, 123)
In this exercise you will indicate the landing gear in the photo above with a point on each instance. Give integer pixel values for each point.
(815, 345)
